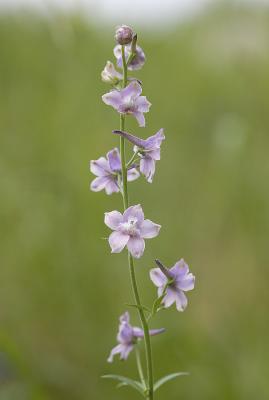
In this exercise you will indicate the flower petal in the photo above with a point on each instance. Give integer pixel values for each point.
(155, 154)
(125, 334)
(132, 174)
(117, 241)
(125, 317)
(147, 168)
(169, 298)
(149, 229)
(100, 167)
(117, 51)
(160, 291)
(187, 283)
(112, 98)
(99, 183)
(112, 187)
(157, 277)
(125, 350)
(113, 219)
(113, 157)
(180, 269)
(155, 141)
(116, 350)
(134, 212)
(143, 104)
(132, 91)
(136, 246)
(140, 118)
(181, 301)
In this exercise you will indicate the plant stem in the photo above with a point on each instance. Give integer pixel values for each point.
(145, 328)
(123, 166)
(139, 367)
(143, 319)
(134, 157)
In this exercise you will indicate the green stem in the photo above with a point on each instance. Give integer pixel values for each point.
(123, 166)
(132, 159)
(139, 367)
(149, 393)
(145, 328)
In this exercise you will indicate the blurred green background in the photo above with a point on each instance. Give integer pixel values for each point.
(61, 291)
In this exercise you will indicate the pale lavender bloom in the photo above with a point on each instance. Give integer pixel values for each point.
(110, 74)
(130, 229)
(137, 62)
(107, 171)
(149, 150)
(181, 281)
(129, 101)
(127, 337)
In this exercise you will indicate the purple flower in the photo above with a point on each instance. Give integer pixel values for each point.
(107, 171)
(129, 101)
(137, 62)
(149, 150)
(110, 74)
(181, 281)
(127, 337)
(130, 229)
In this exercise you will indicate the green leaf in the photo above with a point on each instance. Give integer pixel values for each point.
(167, 378)
(126, 381)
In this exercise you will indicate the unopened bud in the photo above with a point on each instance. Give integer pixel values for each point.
(110, 74)
(124, 35)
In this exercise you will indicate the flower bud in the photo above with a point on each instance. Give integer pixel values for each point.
(124, 35)
(110, 74)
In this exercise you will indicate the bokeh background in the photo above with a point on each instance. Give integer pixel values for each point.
(61, 291)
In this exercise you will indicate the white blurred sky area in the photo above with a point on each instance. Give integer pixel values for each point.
(160, 12)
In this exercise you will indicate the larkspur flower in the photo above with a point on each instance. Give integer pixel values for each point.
(130, 229)
(129, 101)
(127, 337)
(181, 281)
(107, 171)
(148, 150)
(110, 74)
(138, 60)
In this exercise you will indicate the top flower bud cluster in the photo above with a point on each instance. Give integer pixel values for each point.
(126, 98)
(124, 35)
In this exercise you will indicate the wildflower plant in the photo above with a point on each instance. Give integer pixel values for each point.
(130, 228)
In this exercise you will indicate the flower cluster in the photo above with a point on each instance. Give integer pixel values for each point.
(130, 228)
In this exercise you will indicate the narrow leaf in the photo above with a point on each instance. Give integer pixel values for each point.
(126, 381)
(167, 378)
